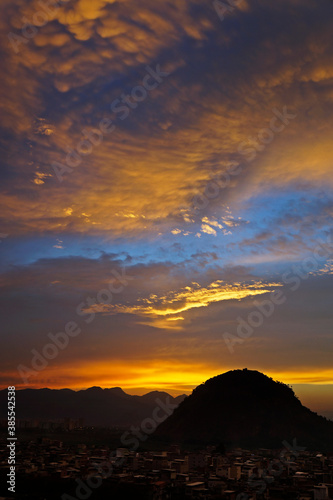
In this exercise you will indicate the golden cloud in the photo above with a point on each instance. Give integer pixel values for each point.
(190, 297)
(197, 126)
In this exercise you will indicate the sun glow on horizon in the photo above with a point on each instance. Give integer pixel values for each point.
(174, 378)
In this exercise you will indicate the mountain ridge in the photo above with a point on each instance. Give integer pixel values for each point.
(245, 408)
(110, 407)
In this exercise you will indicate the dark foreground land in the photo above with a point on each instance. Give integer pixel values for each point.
(92, 464)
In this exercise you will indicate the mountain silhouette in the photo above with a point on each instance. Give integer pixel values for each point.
(97, 407)
(245, 408)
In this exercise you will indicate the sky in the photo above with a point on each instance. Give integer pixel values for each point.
(166, 193)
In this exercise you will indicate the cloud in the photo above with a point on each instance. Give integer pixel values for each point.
(205, 228)
(192, 296)
(193, 124)
(142, 327)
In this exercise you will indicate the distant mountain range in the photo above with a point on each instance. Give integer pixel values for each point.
(245, 408)
(238, 408)
(98, 407)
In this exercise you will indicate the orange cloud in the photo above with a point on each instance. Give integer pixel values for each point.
(153, 176)
(191, 297)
